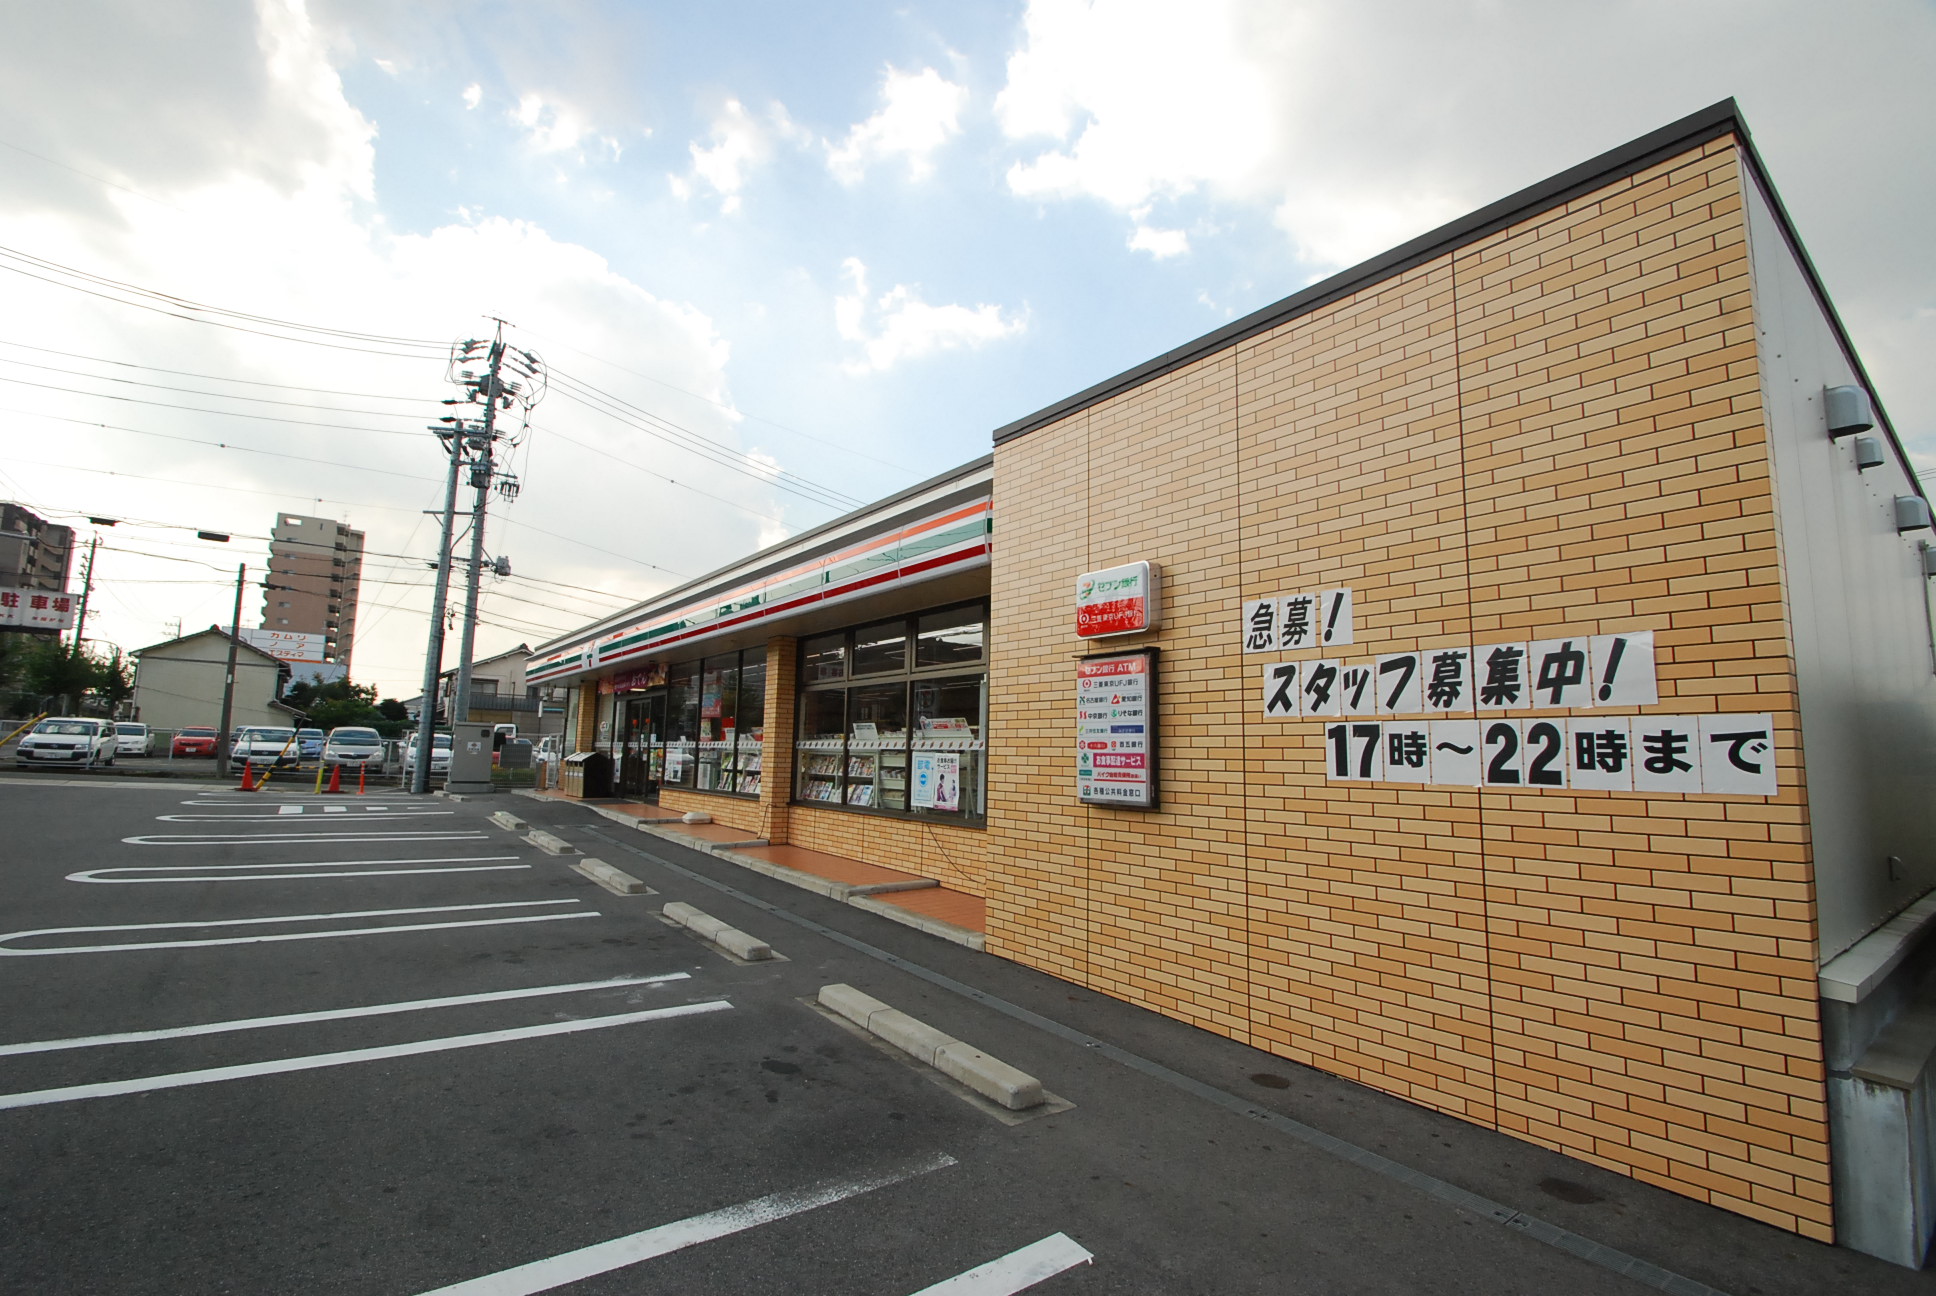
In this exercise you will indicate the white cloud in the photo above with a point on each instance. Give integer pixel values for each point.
(277, 223)
(919, 112)
(899, 326)
(553, 126)
(1145, 99)
(473, 95)
(1341, 226)
(1159, 243)
(739, 143)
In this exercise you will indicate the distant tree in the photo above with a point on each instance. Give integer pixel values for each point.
(56, 675)
(114, 682)
(395, 718)
(339, 703)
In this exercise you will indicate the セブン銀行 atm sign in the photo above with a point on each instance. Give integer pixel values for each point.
(1117, 600)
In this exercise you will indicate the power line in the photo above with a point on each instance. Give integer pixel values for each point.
(197, 409)
(725, 405)
(219, 445)
(610, 458)
(171, 304)
(244, 490)
(197, 391)
(683, 438)
(186, 373)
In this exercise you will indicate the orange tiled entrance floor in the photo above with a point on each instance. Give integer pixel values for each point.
(956, 907)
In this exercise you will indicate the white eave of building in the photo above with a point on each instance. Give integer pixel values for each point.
(933, 532)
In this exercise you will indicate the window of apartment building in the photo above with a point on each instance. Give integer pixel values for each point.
(892, 716)
(715, 722)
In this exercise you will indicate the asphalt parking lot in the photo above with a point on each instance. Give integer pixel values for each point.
(280, 1042)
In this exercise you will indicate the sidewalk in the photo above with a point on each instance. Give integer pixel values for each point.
(906, 898)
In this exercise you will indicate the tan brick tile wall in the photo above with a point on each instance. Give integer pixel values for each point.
(1557, 431)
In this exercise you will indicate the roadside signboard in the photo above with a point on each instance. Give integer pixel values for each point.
(1116, 730)
(1117, 601)
(36, 609)
(285, 645)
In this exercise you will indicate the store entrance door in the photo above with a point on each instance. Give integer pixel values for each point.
(642, 744)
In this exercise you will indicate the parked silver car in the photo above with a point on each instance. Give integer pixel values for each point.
(353, 745)
(67, 740)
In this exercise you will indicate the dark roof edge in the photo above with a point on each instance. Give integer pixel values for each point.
(214, 630)
(1766, 185)
(1695, 129)
(717, 578)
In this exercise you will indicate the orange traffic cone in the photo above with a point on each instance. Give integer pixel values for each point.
(335, 779)
(248, 782)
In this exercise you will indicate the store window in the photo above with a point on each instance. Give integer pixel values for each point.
(892, 716)
(715, 723)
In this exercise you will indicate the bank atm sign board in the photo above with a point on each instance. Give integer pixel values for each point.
(1117, 601)
(1116, 730)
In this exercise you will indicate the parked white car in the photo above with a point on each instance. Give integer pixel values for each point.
(131, 739)
(439, 755)
(266, 745)
(353, 745)
(67, 740)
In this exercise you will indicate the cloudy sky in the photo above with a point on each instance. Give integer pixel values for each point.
(780, 258)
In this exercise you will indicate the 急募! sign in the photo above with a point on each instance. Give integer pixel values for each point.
(1117, 601)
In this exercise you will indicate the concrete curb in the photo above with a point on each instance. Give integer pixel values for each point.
(706, 927)
(614, 880)
(505, 819)
(846, 893)
(974, 940)
(686, 839)
(988, 1076)
(549, 844)
(886, 888)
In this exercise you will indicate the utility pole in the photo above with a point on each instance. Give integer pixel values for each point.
(460, 707)
(454, 438)
(87, 585)
(497, 392)
(475, 443)
(228, 684)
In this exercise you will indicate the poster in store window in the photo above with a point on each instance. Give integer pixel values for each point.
(1116, 730)
(936, 781)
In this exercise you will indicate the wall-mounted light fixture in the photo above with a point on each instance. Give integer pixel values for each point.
(1848, 410)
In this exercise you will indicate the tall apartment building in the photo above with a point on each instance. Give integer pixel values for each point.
(320, 561)
(34, 553)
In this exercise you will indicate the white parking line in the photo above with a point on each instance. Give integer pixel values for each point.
(330, 1014)
(458, 865)
(1016, 1271)
(288, 810)
(285, 936)
(250, 839)
(543, 1275)
(282, 1066)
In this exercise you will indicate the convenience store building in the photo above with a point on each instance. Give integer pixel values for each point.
(1538, 708)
